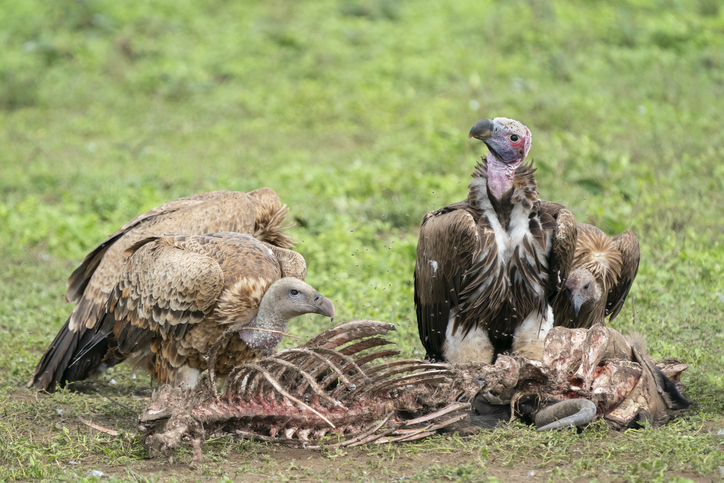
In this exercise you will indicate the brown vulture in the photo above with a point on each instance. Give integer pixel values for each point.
(178, 294)
(259, 213)
(601, 275)
(488, 267)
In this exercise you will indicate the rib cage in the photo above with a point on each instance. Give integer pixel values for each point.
(337, 386)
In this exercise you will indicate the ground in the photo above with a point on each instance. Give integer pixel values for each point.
(356, 112)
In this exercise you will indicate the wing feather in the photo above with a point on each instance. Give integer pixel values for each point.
(163, 289)
(562, 251)
(456, 257)
(292, 264)
(80, 278)
(628, 245)
(447, 246)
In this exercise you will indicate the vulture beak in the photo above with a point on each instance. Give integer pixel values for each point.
(491, 132)
(577, 302)
(323, 306)
(484, 129)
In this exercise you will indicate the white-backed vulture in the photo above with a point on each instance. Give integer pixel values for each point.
(178, 294)
(488, 267)
(259, 213)
(601, 275)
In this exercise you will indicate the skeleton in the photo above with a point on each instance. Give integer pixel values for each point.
(338, 391)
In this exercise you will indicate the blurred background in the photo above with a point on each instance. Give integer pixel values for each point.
(357, 112)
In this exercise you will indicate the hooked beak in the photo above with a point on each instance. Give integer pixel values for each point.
(484, 129)
(323, 306)
(577, 302)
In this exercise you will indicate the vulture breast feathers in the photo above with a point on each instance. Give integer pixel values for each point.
(177, 295)
(601, 276)
(258, 213)
(487, 267)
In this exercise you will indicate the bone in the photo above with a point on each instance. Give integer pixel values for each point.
(293, 397)
(358, 347)
(276, 385)
(310, 382)
(442, 412)
(362, 360)
(344, 333)
(328, 363)
(566, 414)
(430, 377)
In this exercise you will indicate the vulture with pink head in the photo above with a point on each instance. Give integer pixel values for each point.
(488, 267)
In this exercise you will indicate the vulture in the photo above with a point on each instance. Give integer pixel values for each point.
(601, 275)
(179, 295)
(488, 267)
(258, 213)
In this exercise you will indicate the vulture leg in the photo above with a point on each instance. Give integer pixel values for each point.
(186, 377)
(462, 347)
(529, 336)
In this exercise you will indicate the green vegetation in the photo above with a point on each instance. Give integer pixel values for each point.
(356, 112)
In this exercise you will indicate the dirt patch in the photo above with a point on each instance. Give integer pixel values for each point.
(354, 464)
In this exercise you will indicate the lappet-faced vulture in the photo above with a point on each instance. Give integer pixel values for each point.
(259, 213)
(601, 276)
(179, 295)
(488, 267)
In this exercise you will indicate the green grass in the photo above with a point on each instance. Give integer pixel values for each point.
(357, 112)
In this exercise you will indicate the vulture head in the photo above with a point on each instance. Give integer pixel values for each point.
(582, 289)
(508, 140)
(284, 299)
(508, 143)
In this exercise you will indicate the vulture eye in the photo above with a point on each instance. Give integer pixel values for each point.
(585, 287)
(294, 292)
(514, 137)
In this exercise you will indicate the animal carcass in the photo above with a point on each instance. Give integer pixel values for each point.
(337, 390)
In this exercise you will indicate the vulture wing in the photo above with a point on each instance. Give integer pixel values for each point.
(454, 244)
(163, 289)
(563, 249)
(628, 245)
(233, 211)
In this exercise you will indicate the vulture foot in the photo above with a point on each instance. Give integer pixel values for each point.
(168, 420)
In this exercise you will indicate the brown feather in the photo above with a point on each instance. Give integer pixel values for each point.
(177, 294)
(458, 271)
(612, 263)
(258, 212)
(628, 246)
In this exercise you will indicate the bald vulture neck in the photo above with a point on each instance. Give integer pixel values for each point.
(500, 176)
(269, 317)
